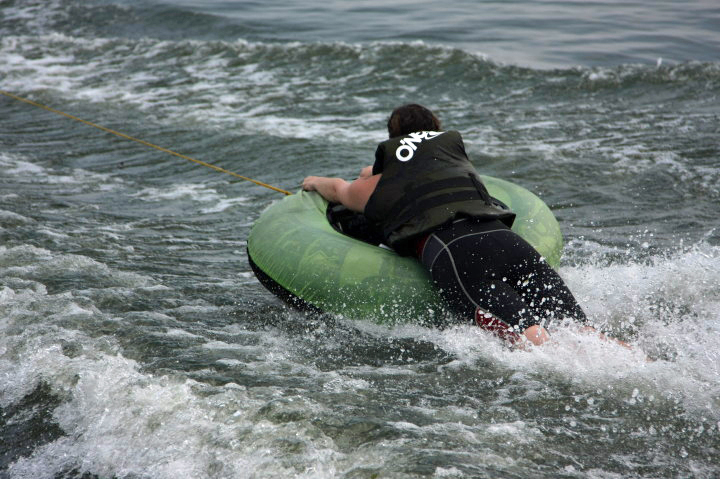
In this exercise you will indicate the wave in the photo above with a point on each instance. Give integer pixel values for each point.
(105, 19)
(298, 90)
(117, 416)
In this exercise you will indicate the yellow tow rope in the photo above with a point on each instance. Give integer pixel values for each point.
(143, 142)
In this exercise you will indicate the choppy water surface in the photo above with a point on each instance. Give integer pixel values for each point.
(135, 341)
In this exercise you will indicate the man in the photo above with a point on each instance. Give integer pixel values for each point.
(429, 202)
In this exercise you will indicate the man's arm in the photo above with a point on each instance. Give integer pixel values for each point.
(353, 195)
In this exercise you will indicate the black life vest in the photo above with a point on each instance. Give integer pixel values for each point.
(427, 181)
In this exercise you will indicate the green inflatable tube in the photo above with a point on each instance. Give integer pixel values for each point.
(298, 255)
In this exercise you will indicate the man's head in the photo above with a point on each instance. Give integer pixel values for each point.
(411, 118)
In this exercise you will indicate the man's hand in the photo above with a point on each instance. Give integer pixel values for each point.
(366, 172)
(353, 195)
(310, 183)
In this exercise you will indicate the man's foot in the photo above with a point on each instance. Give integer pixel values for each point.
(536, 335)
(496, 326)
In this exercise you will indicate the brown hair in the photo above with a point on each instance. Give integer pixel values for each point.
(411, 118)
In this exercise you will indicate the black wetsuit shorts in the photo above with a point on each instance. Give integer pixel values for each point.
(483, 264)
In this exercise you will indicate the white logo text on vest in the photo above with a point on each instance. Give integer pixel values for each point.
(407, 147)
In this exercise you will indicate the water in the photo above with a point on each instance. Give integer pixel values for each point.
(136, 343)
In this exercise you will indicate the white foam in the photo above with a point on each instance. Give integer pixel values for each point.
(448, 472)
(180, 333)
(119, 421)
(215, 95)
(35, 14)
(122, 421)
(8, 218)
(195, 192)
(52, 234)
(338, 383)
(224, 204)
(539, 125)
(671, 302)
(617, 291)
(25, 170)
(29, 262)
(15, 166)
